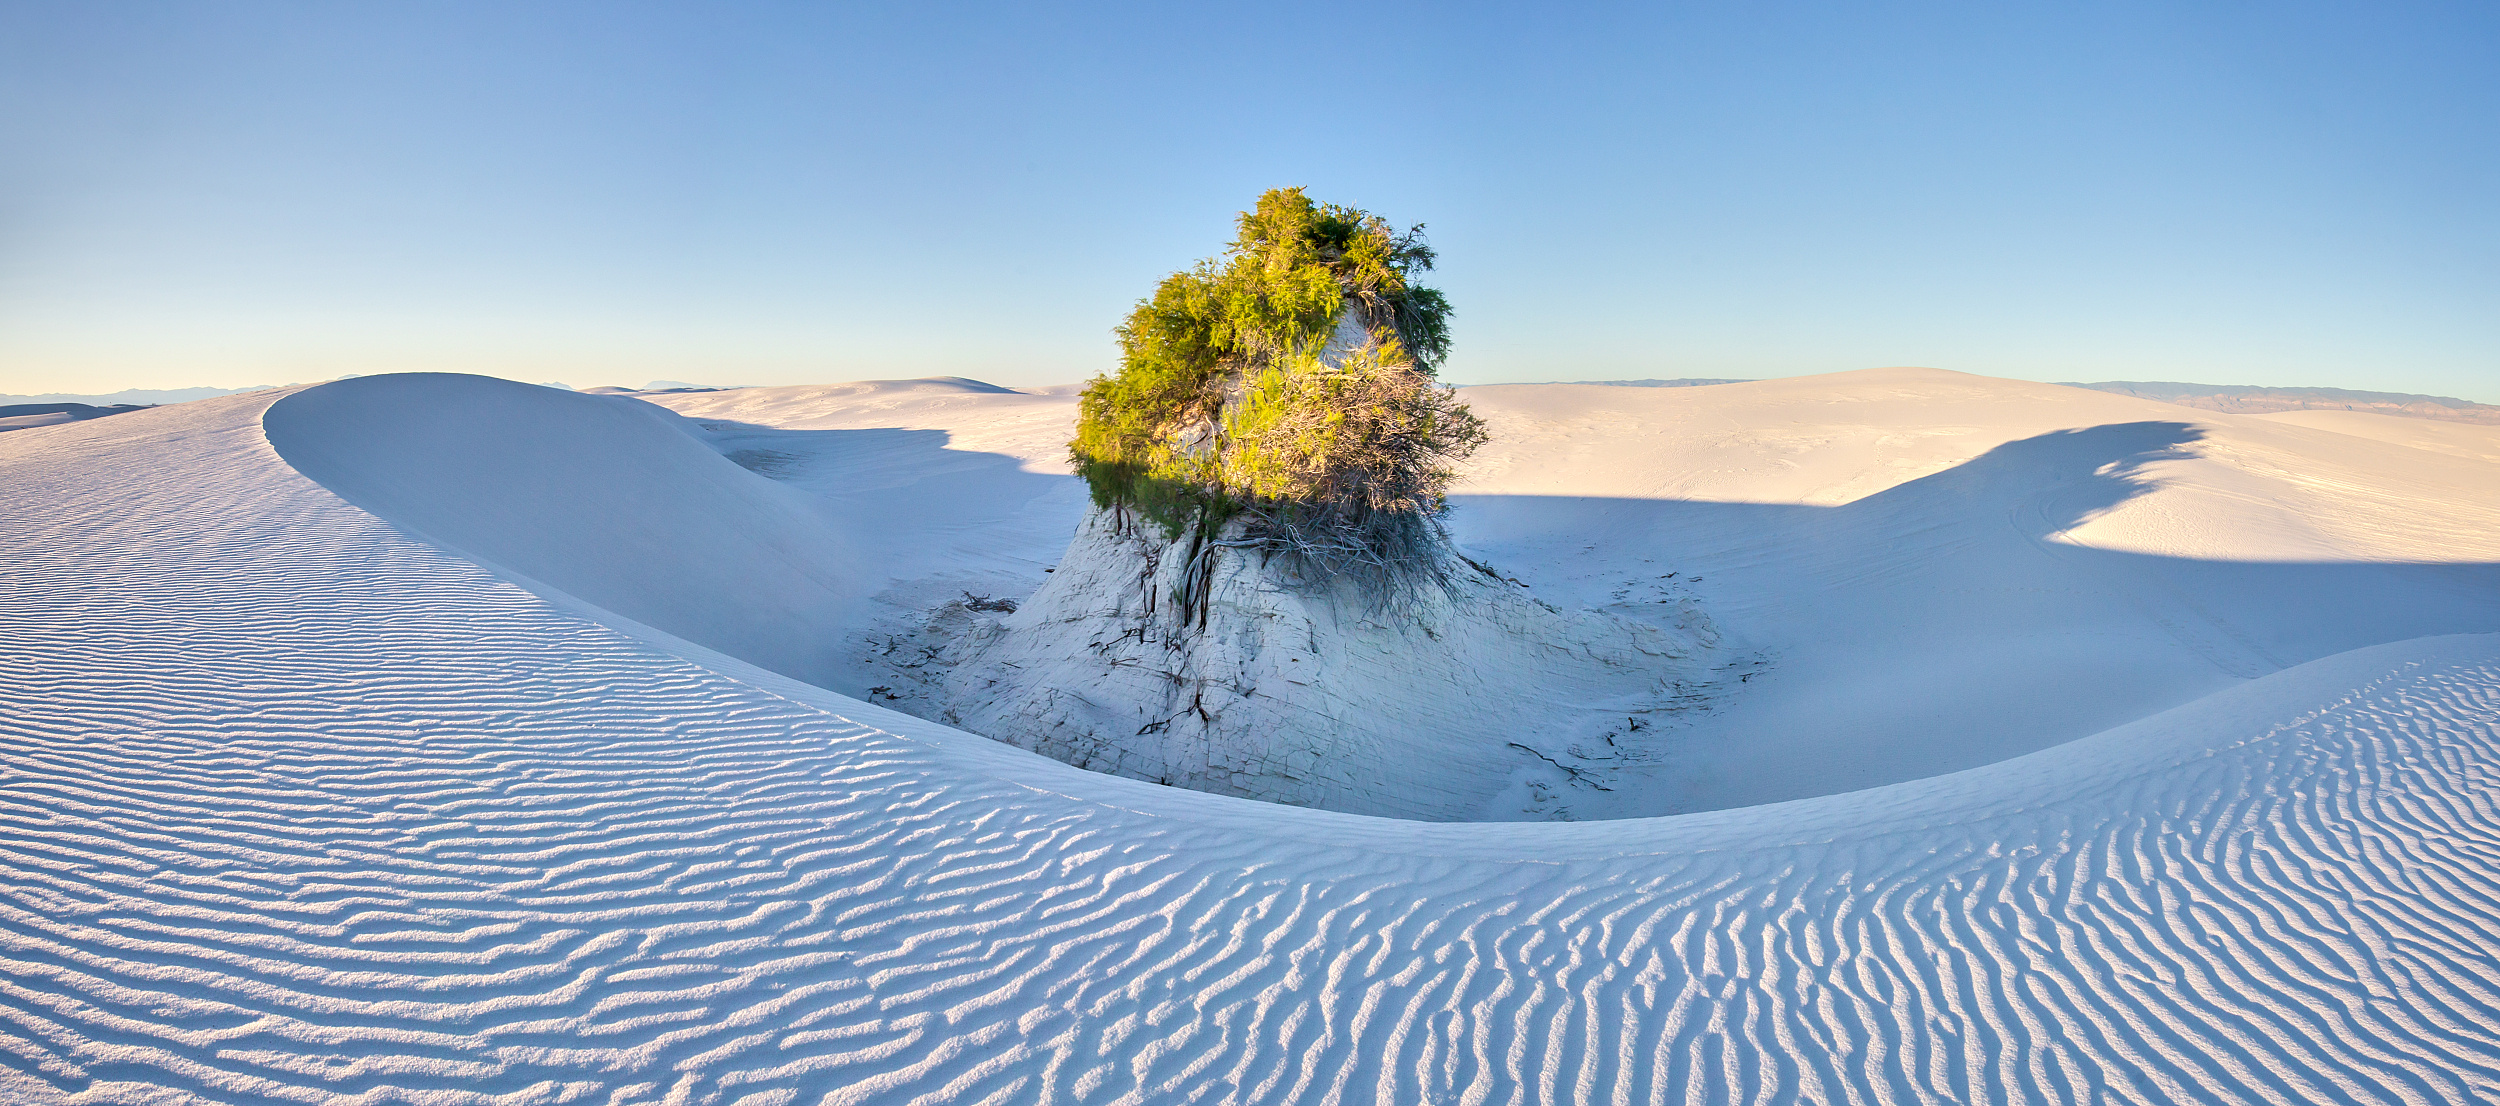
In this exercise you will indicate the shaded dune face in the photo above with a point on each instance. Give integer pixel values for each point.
(300, 804)
(2046, 563)
(1938, 624)
(607, 501)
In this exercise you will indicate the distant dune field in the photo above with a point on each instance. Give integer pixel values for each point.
(438, 739)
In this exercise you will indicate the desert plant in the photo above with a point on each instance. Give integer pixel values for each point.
(1288, 384)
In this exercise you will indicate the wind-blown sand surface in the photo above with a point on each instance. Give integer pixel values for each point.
(383, 741)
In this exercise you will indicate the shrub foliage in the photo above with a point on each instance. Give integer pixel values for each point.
(1288, 383)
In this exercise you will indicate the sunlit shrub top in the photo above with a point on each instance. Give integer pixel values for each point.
(1225, 402)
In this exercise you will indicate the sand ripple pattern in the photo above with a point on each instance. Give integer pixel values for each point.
(295, 808)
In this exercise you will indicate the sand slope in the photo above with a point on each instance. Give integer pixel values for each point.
(2479, 443)
(1946, 569)
(300, 805)
(605, 500)
(1919, 571)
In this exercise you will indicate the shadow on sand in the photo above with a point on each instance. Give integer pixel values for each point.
(1941, 624)
(1937, 625)
(1934, 626)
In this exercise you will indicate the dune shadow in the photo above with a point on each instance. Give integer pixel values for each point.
(1943, 615)
(1939, 624)
(2067, 477)
(908, 479)
(1936, 625)
(1943, 623)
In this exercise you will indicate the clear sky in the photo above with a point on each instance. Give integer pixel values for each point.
(237, 193)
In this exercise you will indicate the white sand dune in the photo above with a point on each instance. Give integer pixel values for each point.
(2480, 442)
(453, 763)
(1946, 570)
(1922, 571)
(607, 501)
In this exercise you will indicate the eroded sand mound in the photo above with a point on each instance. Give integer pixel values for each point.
(1474, 702)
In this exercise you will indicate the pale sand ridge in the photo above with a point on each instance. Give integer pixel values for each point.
(1918, 571)
(301, 806)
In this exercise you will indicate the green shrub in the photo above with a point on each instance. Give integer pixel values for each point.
(1231, 401)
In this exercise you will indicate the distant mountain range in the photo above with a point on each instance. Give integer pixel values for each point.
(1680, 382)
(145, 397)
(2245, 399)
(2252, 400)
(135, 397)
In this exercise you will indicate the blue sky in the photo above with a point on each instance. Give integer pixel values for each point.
(239, 193)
